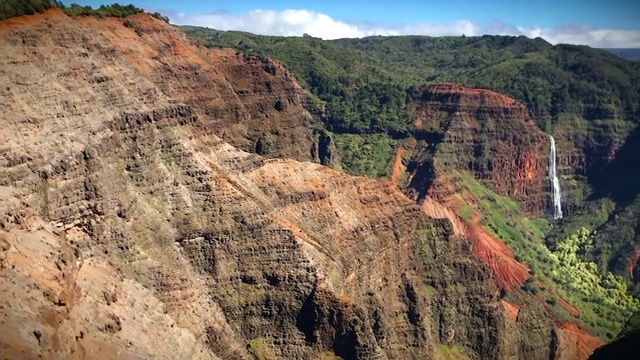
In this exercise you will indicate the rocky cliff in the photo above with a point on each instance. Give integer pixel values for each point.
(136, 222)
(490, 136)
(486, 133)
(587, 150)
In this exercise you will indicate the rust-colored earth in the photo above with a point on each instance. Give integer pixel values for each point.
(511, 309)
(398, 167)
(567, 305)
(132, 208)
(575, 342)
(508, 272)
(492, 98)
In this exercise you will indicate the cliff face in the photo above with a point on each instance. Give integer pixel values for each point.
(490, 135)
(589, 154)
(133, 226)
(245, 99)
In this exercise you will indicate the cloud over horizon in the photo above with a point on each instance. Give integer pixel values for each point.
(295, 22)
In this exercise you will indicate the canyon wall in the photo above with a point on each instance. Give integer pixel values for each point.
(486, 133)
(134, 224)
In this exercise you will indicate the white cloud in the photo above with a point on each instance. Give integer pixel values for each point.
(298, 22)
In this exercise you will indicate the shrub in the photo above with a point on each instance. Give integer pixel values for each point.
(13, 8)
(114, 10)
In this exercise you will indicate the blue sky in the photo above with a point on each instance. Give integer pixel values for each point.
(614, 23)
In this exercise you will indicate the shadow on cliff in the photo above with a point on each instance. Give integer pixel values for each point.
(324, 322)
(620, 180)
(423, 168)
(626, 346)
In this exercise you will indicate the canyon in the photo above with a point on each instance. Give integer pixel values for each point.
(160, 199)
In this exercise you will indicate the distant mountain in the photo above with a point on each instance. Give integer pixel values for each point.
(629, 54)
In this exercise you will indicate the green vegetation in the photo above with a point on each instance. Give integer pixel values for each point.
(466, 212)
(602, 297)
(361, 95)
(550, 80)
(614, 242)
(367, 87)
(157, 15)
(134, 25)
(429, 290)
(368, 83)
(606, 295)
(625, 346)
(368, 155)
(453, 352)
(13, 8)
(259, 349)
(114, 10)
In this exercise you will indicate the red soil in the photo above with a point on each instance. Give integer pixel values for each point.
(512, 310)
(578, 340)
(572, 309)
(11, 23)
(491, 98)
(398, 168)
(507, 271)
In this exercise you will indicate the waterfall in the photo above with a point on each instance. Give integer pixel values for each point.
(555, 182)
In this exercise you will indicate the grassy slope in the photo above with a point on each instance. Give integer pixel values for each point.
(604, 302)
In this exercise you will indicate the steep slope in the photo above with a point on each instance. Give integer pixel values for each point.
(587, 98)
(480, 150)
(490, 136)
(486, 133)
(260, 100)
(63, 305)
(132, 228)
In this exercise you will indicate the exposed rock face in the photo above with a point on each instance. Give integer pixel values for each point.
(491, 136)
(242, 98)
(133, 229)
(59, 304)
(591, 152)
(488, 134)
(574, 342)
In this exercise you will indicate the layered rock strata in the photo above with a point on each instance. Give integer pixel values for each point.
(134, 227)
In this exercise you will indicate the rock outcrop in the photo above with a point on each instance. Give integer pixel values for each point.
(486, 133)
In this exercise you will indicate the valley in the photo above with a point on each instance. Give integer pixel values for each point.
(259, 197)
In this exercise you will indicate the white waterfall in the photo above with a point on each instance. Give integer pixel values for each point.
(555, 182)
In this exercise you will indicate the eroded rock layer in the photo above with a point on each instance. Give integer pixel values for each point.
(108, 141)
(486, 133)
(133, 224)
